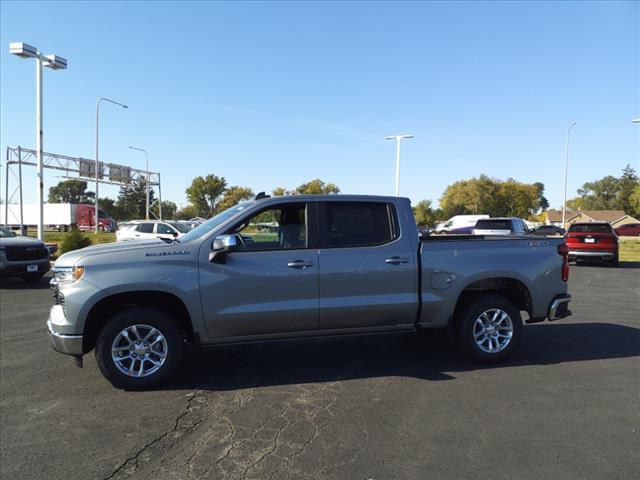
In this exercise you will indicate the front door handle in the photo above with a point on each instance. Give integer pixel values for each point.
(299, 264)
(396, 260)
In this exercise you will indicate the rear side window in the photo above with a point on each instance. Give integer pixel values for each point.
(591, 228)
(145, 227)
(493, 225)
(357, 224)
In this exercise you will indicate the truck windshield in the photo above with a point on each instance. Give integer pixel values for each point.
(213, 222)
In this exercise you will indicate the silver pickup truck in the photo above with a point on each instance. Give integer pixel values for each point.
(299, 266)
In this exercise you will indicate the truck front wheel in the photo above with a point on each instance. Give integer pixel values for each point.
(139, 347)
(489, 328)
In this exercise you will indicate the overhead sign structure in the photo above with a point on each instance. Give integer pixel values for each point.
(73, 167)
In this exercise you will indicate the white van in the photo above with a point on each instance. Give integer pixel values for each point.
(459, 221)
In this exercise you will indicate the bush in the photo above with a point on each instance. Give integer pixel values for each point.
(74, 240)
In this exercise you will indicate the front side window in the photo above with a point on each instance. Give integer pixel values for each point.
(145, 227)
(356, 224)
(164, 229)
(283, 227)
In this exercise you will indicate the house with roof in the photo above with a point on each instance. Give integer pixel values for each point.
(615, 217)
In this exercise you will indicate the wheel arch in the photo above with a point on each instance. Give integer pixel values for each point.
(108, 306)
(512, 289)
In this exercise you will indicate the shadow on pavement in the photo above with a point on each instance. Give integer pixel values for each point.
(16, 283)
(428, 357)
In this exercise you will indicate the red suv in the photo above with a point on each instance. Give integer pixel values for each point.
(628, 230)
(592, 241)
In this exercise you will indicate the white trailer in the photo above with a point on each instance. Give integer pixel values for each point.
(57, 215)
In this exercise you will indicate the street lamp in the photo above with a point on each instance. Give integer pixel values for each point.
(54, 62)
(566, 172)
(146, 180)
(398, 138)
(100, 100)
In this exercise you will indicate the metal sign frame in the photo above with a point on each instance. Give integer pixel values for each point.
(19, 156)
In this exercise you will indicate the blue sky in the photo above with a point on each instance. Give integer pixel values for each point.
(275, 94)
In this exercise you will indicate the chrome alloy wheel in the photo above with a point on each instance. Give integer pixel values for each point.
(139, 350)
(493, 330)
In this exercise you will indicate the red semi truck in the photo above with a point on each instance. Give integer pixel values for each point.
(59, 216)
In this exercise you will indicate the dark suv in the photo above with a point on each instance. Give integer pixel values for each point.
(24, 257)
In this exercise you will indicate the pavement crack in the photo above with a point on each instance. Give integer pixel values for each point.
(133, 461)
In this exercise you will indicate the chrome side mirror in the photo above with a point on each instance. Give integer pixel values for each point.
(222, 245)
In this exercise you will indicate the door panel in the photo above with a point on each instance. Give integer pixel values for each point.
(364, 286)
(270, 286)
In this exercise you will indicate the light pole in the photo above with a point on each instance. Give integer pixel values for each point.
(566, 173)
(53, 62)
(398, 138)
(146, 179)
(100, 100)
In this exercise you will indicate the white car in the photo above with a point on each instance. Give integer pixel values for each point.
(146, 229)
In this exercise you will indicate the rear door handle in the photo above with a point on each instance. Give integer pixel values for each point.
(299, 264)
(396, 260)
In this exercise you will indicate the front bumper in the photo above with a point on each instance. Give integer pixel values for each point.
(63, 343)
(559, 307)
(19, 268)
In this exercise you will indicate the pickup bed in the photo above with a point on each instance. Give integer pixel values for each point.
(299, 266)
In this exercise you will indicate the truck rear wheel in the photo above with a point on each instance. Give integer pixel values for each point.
(489, 328)
(139, 347)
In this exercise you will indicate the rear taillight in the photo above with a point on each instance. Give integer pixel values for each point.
(564, 251)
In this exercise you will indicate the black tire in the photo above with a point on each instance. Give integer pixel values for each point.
(152, 317)
(32, 277)
(474, 307)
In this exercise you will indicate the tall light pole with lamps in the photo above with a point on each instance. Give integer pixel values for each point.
(566, 173)
(146, 179)
(53, 62)
(398, 139)
(100, 100)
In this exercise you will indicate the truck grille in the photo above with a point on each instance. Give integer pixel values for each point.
(19, 254)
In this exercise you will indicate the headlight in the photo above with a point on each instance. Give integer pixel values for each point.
(67, 274)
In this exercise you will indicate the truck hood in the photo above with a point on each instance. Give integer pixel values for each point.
(69, 259)
(20, 241)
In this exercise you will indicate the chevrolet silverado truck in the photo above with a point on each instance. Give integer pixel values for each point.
(294, 267)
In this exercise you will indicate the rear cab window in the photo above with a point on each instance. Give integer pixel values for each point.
(597, 228)
(493, 225)
(357, 224)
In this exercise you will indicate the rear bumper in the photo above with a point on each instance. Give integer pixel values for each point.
(592, 254)
(559, 307)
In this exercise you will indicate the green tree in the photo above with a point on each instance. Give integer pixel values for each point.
(543, 203)
(634, 201)
(316, 187)
(233, 196)
(485, 195)
(132, 200)
(186, 213)
(425, 215)
(109, 205)
(169, 210)
(71, 191)
(279, 192)
(627, 185)
(204, 193)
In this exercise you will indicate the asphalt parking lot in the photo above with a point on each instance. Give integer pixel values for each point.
(566, 406)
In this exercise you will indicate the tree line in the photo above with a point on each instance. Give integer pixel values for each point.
(210, 194)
